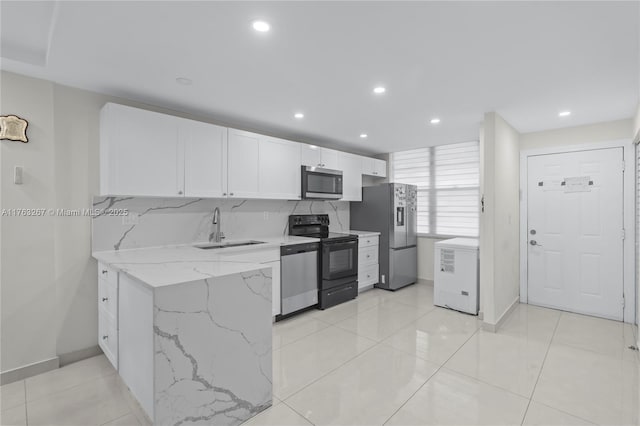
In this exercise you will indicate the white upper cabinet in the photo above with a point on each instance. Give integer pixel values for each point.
(351, 166)
(139, 153)
(146, 153)
(319, 157)
(279, 169)
(205, 159)
(243, 161)
(374, 167)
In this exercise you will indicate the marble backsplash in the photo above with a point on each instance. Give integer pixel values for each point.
(166, 221)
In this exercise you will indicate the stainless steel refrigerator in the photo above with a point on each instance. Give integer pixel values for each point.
(390, 209)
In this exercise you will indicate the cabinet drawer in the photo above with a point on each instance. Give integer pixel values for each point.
(107, 274)
(108, 336)
(367, 275)
(368, 241)
(368, 255)
(108, 297)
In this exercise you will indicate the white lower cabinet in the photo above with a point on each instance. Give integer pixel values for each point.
(108, 313)
(368, 265)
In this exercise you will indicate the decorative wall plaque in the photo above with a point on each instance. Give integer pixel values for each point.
(13, 128)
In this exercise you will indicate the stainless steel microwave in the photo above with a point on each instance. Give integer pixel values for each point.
(321, 184)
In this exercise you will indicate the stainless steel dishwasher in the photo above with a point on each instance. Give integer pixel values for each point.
(299, 276)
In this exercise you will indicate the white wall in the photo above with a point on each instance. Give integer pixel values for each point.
(499, 227)
(27, 263)
(578, 135)
(425, 257)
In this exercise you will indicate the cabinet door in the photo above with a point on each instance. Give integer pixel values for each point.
(275, 287)
(329, 158)
(351, 166)
(243, 164)
(367, 166)
(379, 168)
(279, 169)
(310, 155)
(205, 159)
(140, 154)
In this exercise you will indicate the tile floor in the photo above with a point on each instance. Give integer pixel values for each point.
(394, 358)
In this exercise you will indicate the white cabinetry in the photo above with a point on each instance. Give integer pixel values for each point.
(351, 166)
(279, 169)
(374, 167)
(151, 154)
(243, 163)
(205, 159)
(319, 157)
(139, 152)
(368, 266)
(108, 313)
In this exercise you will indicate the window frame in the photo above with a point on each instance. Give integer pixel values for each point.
(433, 190)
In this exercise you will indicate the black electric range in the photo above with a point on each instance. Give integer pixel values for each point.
(338, 274)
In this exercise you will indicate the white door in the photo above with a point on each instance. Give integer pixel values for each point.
(242, 164)
(279, 169)
(575, 232)
(205, 159)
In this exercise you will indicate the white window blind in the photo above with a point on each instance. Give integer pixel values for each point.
(448, 180)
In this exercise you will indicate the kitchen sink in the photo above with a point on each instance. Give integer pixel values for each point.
(212, 246)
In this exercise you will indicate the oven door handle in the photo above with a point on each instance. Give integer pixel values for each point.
(340, 243)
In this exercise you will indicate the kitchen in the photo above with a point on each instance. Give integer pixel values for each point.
(116, 149)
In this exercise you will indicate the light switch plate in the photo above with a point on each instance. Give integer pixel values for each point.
(17, 175)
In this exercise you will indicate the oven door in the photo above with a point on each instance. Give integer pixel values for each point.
(321, 184)
(339, 259)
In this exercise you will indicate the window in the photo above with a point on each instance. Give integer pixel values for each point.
(448, 180)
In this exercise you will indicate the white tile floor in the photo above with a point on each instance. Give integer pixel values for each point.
(394, 358)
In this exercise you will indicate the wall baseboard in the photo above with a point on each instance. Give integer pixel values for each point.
(23, 372)
(40, 367)
(495, 327)
(75, 356)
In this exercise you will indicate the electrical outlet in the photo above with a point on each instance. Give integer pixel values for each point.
(131, 219)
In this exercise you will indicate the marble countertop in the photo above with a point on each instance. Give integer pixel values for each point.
(170, 265)
(363, 233)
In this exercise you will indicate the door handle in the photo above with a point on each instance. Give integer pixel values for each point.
(534, 243)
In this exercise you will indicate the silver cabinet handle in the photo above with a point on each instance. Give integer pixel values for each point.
(105, 337)
(179, 192)
(104, 299)
(231, 193)
(104, 271)
(224, 193)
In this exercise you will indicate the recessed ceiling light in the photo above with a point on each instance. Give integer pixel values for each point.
(363, 135)
(298, 115)
(379, 90)
(184, 81)
(261, 26)
(435, 121)
(564, 113)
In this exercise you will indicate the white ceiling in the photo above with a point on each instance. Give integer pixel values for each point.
(453, 60)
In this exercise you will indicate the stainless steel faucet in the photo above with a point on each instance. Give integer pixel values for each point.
(216, 236)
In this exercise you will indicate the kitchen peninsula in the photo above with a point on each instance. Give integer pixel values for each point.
(189, 332)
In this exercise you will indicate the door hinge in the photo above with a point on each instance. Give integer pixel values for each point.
(623, 301)
(623, 234)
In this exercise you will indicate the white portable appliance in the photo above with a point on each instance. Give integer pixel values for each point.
(456, 278)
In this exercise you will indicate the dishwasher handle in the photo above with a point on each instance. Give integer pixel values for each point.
(299, 248)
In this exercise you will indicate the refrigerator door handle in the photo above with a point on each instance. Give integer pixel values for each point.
(399, 216)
